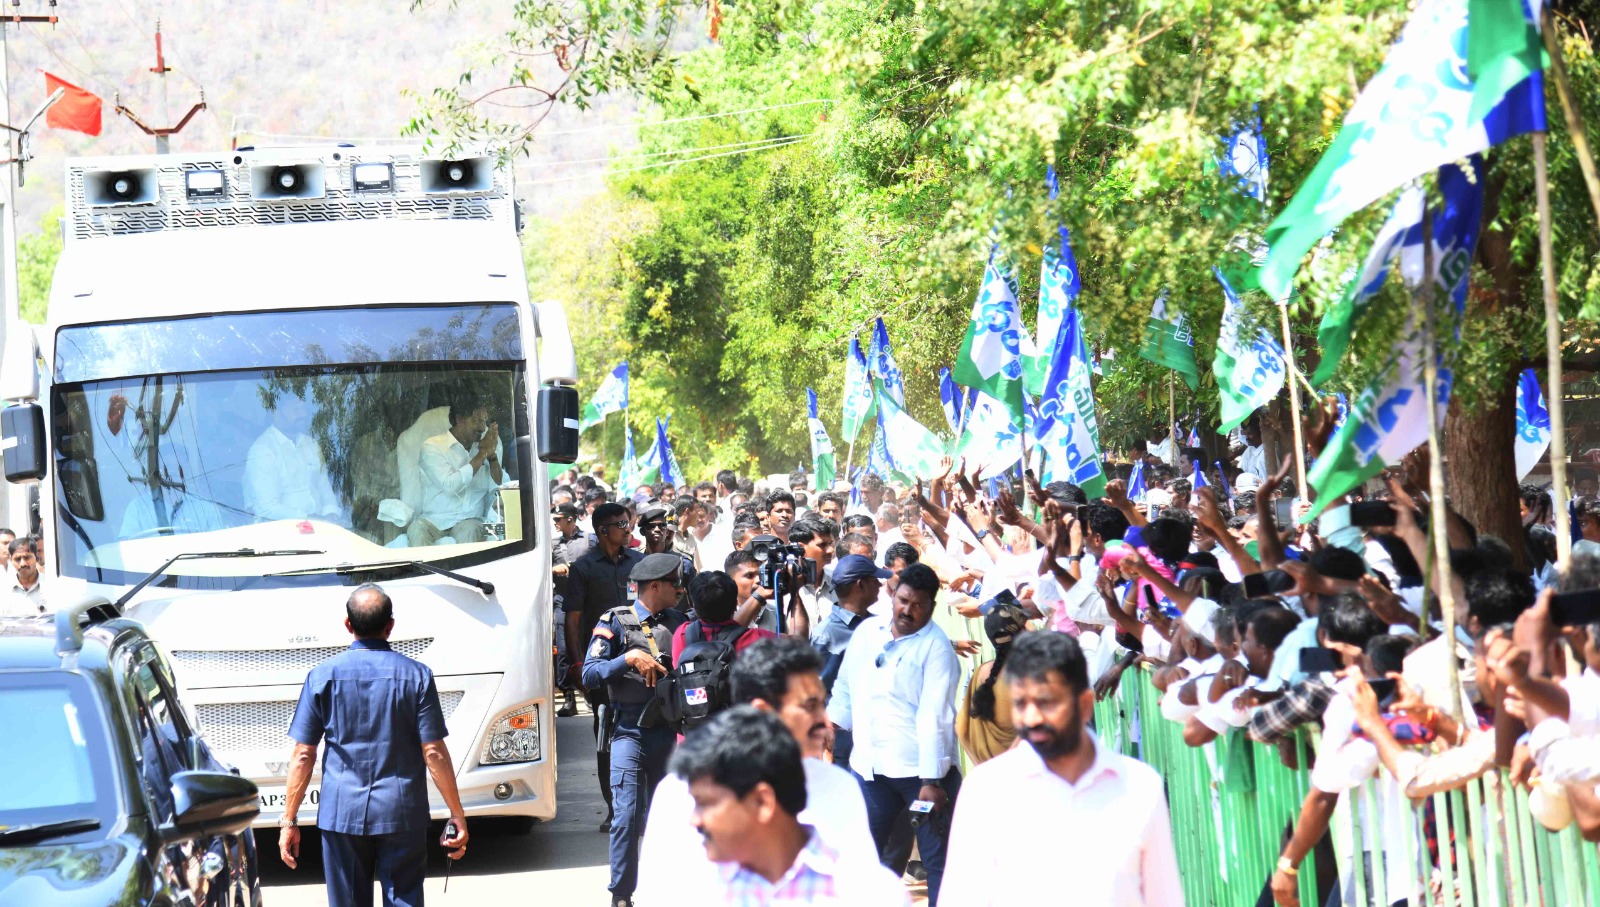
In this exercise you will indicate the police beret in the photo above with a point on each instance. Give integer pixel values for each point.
(653, 515)
(656, 566)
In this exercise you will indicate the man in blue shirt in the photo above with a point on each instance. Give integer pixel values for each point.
(378, 713)
(629, 651)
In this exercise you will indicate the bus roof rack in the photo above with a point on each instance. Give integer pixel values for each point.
(71, 621)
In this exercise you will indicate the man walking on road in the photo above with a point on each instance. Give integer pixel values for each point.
(596, 583)
(378, 712)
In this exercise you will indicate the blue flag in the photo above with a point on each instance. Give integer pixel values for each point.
(1244, 159)
(670, 473)
(1222, 476)
(950, 399)
(1136, 484)
(883, 367)
(1533, 423)
(1200, 477)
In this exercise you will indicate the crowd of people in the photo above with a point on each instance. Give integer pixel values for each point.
(1249, 622)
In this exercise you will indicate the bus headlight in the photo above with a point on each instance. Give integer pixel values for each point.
(514, 737)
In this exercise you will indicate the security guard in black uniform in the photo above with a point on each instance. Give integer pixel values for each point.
(630, 651)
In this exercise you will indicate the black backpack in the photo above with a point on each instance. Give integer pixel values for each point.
(699, 687)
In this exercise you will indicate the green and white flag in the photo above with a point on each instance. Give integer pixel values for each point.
(914, 452)
(858, 397)
(991, 440)
(822, 460)
(1389, 419)
(612, 397)
(1249, 365)
(992, 351)
(1168, 342)
(1422, 110)
(1403, 229)
(628, 476)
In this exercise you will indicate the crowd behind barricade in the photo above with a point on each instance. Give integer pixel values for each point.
(1250, 624)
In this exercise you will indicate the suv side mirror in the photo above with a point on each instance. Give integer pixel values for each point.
(210, 803)
(558, 424)
(22, 426)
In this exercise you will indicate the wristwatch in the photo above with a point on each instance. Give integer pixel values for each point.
(287, 822)
(982, 534)
(1286, 867)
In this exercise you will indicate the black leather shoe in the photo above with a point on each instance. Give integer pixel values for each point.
(605, 827)
(569, 709)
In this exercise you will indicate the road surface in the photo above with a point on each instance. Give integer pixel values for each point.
(562, 862)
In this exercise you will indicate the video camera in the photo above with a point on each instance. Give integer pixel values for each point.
(777, 558)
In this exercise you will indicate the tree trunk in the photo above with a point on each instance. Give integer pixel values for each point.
(1481, 463)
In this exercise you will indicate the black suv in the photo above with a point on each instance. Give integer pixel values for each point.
(107, 794)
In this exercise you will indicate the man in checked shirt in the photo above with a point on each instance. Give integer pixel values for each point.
(744, 772)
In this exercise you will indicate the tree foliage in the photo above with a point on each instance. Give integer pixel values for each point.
(745, 274)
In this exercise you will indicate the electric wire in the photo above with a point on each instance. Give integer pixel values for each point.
(656, 166)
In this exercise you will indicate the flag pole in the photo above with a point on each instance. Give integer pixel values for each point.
(1552, 344)
(1172, 421)
(1294, 405)
(1569, 107)
(1437, 516)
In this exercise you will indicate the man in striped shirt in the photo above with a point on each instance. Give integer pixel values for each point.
(744, 771)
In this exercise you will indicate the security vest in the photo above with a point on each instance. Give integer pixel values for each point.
(655, 641)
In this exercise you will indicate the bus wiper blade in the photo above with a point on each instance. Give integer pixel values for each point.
(208, 555)
(38, 831)
(482, 585)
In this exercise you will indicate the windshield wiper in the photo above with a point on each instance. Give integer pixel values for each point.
(206, 555)
(482, 585)
(38, 831)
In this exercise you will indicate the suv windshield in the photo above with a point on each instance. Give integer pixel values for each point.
(55, 760)
(408, 448)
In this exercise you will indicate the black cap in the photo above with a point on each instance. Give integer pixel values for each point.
(1004, 622)
(656, 566)
(653, 515)
(564, 510)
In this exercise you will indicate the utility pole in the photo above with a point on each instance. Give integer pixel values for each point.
(14, 501)
(161, 133)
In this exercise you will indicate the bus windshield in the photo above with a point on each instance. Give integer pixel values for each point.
(364, 462)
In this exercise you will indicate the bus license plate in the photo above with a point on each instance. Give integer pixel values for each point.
(276, 799)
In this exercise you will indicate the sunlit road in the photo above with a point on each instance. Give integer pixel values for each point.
(560, 862)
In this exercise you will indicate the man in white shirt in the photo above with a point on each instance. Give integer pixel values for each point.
(27, 598)
(817, 537)
(744, 773)
(896, 694)
(1103, 814)
(284, 475)
(781, 676)
(1253, 459)
(457, 479)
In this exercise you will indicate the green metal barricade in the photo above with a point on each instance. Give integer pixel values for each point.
(1232, 801)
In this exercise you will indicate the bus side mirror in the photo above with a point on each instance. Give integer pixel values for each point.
(22, 438)
(557, 424)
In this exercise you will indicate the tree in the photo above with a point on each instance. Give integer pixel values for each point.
(934, 154)
(36, 266)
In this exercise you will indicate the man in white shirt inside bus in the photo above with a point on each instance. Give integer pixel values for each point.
(460, 469)
(1103, 815)
(284, 475)
(782, 676)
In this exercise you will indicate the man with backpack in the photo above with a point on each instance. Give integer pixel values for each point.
(703, 650)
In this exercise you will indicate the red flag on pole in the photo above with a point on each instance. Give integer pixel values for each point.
(77, 110)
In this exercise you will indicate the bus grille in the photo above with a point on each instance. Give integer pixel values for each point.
(220, 661)
(236, 726)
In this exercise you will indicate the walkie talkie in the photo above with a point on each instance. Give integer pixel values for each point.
(451, 832)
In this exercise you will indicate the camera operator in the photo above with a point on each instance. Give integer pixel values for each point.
(770, 576)
(817, 594)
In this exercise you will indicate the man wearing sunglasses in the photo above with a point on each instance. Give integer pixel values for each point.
(596, 583)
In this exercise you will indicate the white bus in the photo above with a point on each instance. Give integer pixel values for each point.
(246, 355)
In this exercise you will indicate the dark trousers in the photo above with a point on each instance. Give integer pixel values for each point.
(638, 762)
(887, 798)
(397, 862)
(602, 758)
